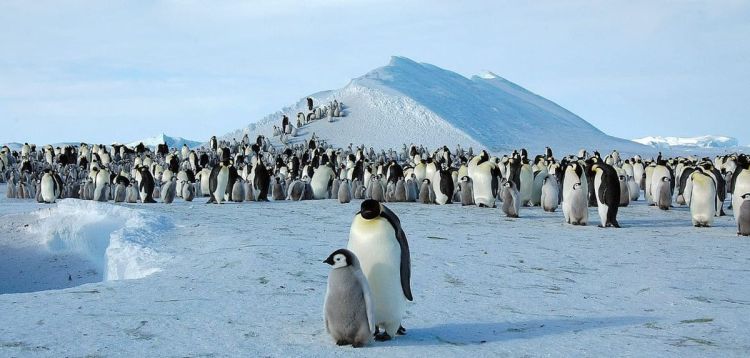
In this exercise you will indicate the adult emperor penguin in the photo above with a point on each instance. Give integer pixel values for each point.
(740, 184)
(219, 181)
(482, 172)
(442, 185)
(607, 188)
(511, 199)
(575, 195)
(742, 215)
(348, 304)
(702, 198)
(380, 244)
(49, 187)
(145, 184)
(101, 185)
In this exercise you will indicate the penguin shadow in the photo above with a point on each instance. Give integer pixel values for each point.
(466, 334)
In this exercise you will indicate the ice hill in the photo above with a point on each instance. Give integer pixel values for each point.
(706, 141)
(173, 142)
(408, 102)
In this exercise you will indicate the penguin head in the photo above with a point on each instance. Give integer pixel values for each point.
(370, 209)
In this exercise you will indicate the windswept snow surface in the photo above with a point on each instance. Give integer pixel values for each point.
(248, 280)
(76, 242)
(408, 102)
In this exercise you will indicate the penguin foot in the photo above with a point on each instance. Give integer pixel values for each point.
(401, 331)
(382, 337)
(358, 345)
(341, 343)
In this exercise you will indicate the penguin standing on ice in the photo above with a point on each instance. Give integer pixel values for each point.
(145, 185)
(376, 238)
(550, 193)
(49, 187)
(467, 193)
(743, 216)
(348, 304)
(425, 192)
(607, 189)
(345, 192)
(575, 195)
(443, 186)
(702, 198)
(169, 191)
(188, 191)
(511, 200)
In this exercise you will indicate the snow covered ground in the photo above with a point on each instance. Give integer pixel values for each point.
(248, 280)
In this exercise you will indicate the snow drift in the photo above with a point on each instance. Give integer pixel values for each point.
(408, 102)
(77, 242)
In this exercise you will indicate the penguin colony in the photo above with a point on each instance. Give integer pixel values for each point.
(369, 283)
(240, 171)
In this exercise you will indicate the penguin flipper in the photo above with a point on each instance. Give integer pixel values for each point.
(405, 255)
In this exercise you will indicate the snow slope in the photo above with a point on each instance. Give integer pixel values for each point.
(410, 102)
(173, 142)
(247, 280)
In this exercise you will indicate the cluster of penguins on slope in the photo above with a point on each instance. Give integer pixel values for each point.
(257, 171)
(287, 130)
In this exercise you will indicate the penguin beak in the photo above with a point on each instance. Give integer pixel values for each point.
(329, 260)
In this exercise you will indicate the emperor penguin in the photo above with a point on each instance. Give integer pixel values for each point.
(49, 187)
(442, 185)
(664, 193)
(511, 199)
(101, 185)
(348, 306)
(376, 189)
(607, 189)
(277, 193)
(204, 176)
(131, 194)
(120, 193)
(188, 191)
(376, 237)
(321, 181)
(550, 193)
(482, 172)
(238, 191)
(702, 198)
(169, 191)
(740, 184)
(344, 192)
(742, 215)
(575, 195)
(527, 184)
(145, 184)
(335, 188)
(467, 192)
(425, 192)
(296, 191)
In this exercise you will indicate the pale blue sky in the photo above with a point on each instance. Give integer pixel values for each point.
(102, 71)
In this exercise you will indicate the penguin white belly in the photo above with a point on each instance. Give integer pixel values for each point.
(48, 189)
(440, 197)
(380, 258)
(483, 188)
(221, 184)
(741, 187)
(702, 203)
(602, 208)
(527, 185)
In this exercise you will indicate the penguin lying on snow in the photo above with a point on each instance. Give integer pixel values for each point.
(348, 304)
(380, 244)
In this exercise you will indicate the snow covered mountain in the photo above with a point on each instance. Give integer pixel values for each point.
(408, 102)
(707, 141)
(173, 142)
